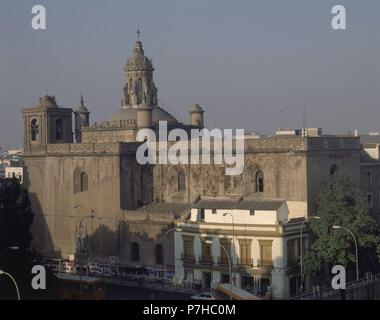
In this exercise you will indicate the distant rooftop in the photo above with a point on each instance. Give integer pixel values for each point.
(309, 132)
(239, 203)
(369, 138)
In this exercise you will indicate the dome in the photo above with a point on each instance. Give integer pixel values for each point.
(196, 108)
(82, 108)
(138, 59)
(158, 114)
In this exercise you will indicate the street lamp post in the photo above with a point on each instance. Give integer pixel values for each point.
(3, 251)
(91, 216)
(356, 248)
(229, 264)
(233, 238)
(301, 248)
(80, 256)
(163, 253)
(14, 282)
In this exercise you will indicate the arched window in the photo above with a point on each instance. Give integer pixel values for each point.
(58, 129)
(159, 253)
(143, 182)
(138, 91)
(130, 84)
(83, 182)
(181, 181)
(259, 181)
(34, 129)
(135, 252)
(333, 170)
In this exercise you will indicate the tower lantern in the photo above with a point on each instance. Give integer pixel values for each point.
(82, 119)
(139, 85)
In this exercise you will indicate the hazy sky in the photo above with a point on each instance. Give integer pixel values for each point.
(242, 61)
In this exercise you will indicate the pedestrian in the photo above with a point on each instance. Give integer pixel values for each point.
(268, 293)
(199, 286)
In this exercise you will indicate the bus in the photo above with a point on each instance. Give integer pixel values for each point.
(92, 288)
(224, 290)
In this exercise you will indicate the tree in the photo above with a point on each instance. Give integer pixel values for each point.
(16, 218)
(339, 202)
(16, 215)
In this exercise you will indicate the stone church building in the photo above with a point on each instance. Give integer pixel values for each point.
(87, 170)
(91, 170)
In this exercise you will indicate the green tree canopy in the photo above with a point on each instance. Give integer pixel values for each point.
(16, 218)
(16, 215)
(340, 203)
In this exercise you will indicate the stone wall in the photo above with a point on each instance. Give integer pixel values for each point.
(319, 165)
(294, 169)
(51, 186)
(123, 131)
(371, 187)
(148, 234)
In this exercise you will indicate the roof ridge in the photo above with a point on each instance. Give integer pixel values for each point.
(167, 112)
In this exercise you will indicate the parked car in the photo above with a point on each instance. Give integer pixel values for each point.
(204, 296)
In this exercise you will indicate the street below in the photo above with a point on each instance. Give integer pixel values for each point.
(118, 292)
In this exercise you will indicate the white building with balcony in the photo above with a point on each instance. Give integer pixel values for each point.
(15, 172)
(261, 242)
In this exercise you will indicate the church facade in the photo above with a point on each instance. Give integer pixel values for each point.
(74, 172)
(89, 174)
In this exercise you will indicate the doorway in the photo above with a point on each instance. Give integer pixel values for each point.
(207, 280)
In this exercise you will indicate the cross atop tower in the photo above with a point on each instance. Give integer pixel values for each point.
(81, 97)
(138, 30)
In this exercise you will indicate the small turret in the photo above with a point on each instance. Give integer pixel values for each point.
(82, 119)
(144, 116)
(196, 116)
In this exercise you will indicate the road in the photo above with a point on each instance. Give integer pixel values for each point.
(115, 292)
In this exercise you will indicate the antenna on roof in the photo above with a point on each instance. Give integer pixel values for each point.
(304, 115)
(304, 120)
(81, 96)
(281, 119)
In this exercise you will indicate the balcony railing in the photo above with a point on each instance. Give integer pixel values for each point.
(187, 257)
(246, 262)
(204, 259)
(223, 261)
(265, 263)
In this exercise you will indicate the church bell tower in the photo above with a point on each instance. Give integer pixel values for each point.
(46, 123)
(139, 85)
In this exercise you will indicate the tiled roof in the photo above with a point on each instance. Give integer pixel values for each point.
(159, 212)
(166, 207)
(260, 204)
